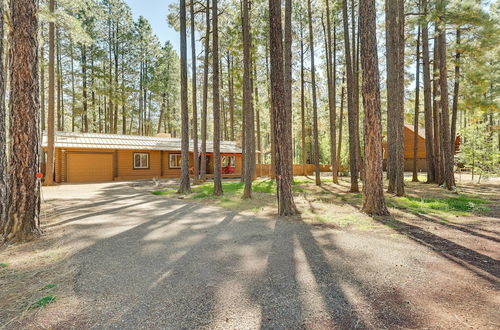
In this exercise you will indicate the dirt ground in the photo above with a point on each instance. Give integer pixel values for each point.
(116, 256)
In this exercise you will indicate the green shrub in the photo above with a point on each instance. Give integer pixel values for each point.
(43, 301)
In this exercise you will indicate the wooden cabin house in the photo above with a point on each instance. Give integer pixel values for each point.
(408, 153)
(92, 157)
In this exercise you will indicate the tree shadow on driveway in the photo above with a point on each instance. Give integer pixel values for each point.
(191, 266)
(155, 262)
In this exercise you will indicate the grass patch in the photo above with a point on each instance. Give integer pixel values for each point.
(461, 205)
(3, 265)
(421, 178)
(264, 186)
(49, 286)
(233, 192)
(43, 301)
(232, 188)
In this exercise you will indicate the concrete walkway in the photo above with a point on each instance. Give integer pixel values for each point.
(145, 261)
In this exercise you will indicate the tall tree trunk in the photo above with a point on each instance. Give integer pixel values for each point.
(449, 177)
(185, 186)
(124, 101)
(116, 56)
(194, 95)
(456, 86)
(302, 103)
(341, 119)
(23, 218)
(42, 83)
(332, 89)
(253, 162)
(3, 131)
(162, 112)
(230, 82)
(287, 64)
(141, 97)
(437, 117)
(110, 76)
(373, 192)
(257, 120)
(272, 171)
(216, 99)
(73, 102)
(49, 165)
(243, 146)
(282, 116)
(223, 134)
(84, 91)
(351, 117)
(395, 95)
(355, 92)
(429, 130)
(204, 111)
(60, 107)
(92, 93)
(168, 122)
(314, 98)
(417, 108)
(247, 103)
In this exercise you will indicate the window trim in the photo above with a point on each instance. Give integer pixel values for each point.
(230, 157)
(170, 160)
(141, 167)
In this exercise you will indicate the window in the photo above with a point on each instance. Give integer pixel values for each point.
(141, 160)
(228, 160)
(175, 161)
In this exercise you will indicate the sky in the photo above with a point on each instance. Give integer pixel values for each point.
(155, 11)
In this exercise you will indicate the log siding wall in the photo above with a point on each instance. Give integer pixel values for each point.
(123, 166)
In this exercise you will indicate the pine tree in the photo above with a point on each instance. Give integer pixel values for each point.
(373, 192)
(185, 186)
(193, 96)
(331, 63)
(216, 101)
(351, 117)
(281, 115)
(49, 169)
(204, 111)
(302, 103)
(456, 87)
(395, 95)
(438, 162)
(314, 97)
(417, 107)
(449, 178)
(429, 128)
(287, 62)
(247, 103)
(3, 132)
(23, 218)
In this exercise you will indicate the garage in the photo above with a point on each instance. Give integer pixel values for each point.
(89, 167)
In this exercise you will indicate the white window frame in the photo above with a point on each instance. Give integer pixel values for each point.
(143, 160)
(232, 161)
(172, 163)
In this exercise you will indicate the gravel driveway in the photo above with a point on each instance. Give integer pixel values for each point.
(146, 261)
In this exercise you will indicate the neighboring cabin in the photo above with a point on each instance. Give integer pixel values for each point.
(93, 157)
(409, 132)
(408, 154)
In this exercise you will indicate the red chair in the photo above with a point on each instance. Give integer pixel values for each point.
(227, 170)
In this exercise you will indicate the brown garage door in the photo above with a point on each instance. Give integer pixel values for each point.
(89, 167)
